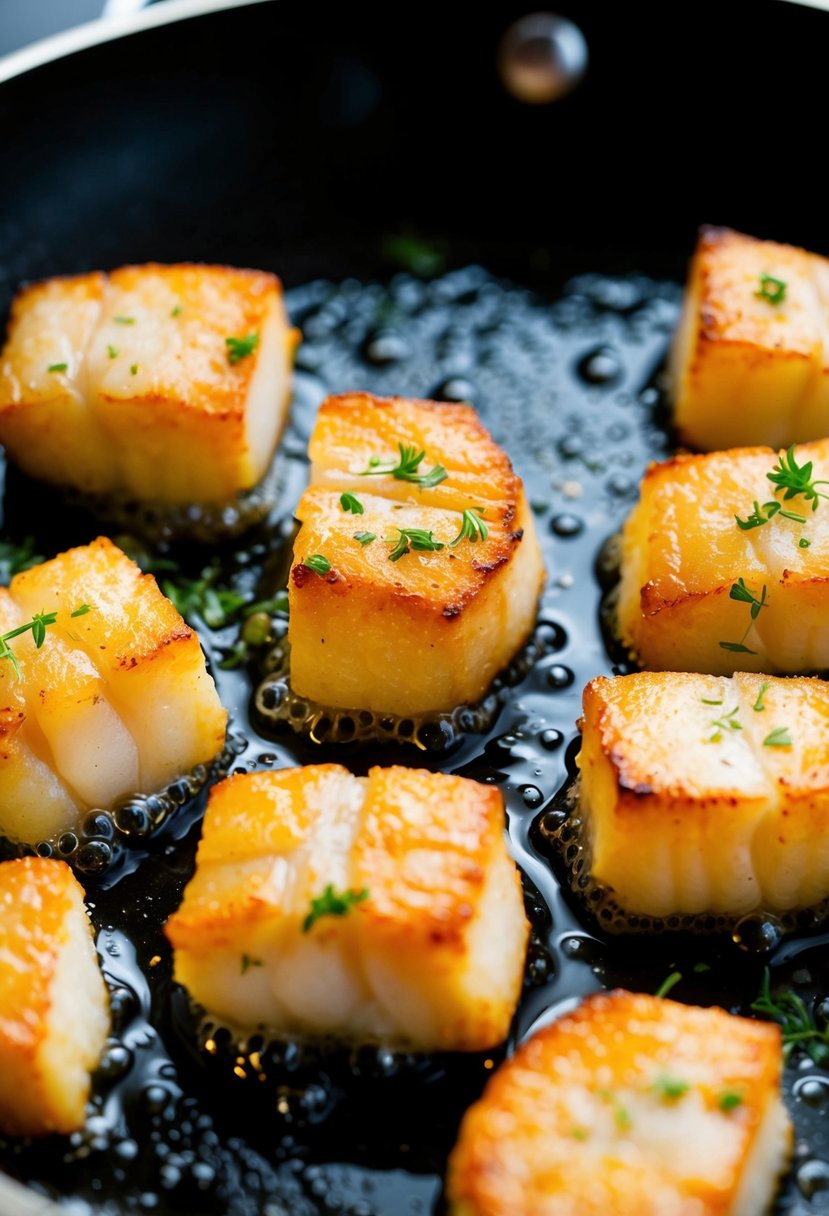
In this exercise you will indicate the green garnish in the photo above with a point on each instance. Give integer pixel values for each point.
(796, 479)
(729, 1100)
(578, 1133)
(758, 705)
(319, 564)
(416, 254)
(726, 722)
(797, 1023)
(57, 367)
(200, 597)
(332, 904)
(124, 320)
(779, 737)
(177, 311)
(365, 538)
(771, 289)
(668, 984)
(670, 1088)
(14, 558)
(248, 962)
(621, 1115)
(38, 626)
(133, 368)
(406, 468)
(739, 591)
(416, 539)
(82, 611)
(706, 701)
(112, 351)
(804, 543)
(761, 515)
(699, 968)
(240, 348)
(472, 527)
(349, 503)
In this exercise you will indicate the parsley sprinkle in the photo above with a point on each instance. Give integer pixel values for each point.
(758, 705)
(668, 984)
(796, 479)
(804, 543)
(406, 468)
(177, 311)
(82, 611)
(112, 351)
(124, 320)
(248, 962)
(365, 538)
(349, 503)
(332, 904)
(729, 1100)
(726, 722)
(771, 289)
(133, 369)
(57, 367)
(670, 1088)
(319, 564)
(779, 737)
(416, 539)
(240, 348)
(472, 527)
(761, 515)
(706, 701)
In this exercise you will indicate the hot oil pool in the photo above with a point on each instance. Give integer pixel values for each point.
(568, 388)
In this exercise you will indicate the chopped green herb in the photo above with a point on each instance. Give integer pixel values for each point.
(406, 468)
(706, 701)
(112, 351)
(779, 737)
(670, 1088)
(82, 611)
(797, 1023)
(415, 254)
(365, 538)
(57, 367)
(795, 479)
(349, 503)
(240, 348)
(14, 558)
(319, 564)
(771, 289)
(729, 1100)
(621, 1115)
(726, 722)
(124, 320)
(803, 543)
(578, 1133)
(472, 527)
(248, 962)
(38, 626)
(668, 984)
(200, 597)
(332, 904)
(177, 311)
(133, 368)
(416, 539)
(758, 705)
(699, 968)
(740, 591)
(762, 515)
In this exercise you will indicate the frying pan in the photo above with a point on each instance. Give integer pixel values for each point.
(318, 141)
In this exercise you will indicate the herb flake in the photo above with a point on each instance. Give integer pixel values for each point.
(316, 562)
(472, 527)
(406, 468)
(771, 289)
(349, 503)
(413, 539)
(330, 903)
(241, 348)
(779, 737)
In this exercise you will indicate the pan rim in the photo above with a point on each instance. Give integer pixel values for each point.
(108, 29)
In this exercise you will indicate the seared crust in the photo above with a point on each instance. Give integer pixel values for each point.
(683, 551)
(464, 609)
(53, 1002)
(578, 1121)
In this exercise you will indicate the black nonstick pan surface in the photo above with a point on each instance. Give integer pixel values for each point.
(436, 238)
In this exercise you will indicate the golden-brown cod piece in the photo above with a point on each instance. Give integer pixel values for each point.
(168, 384)
(416, 570)
(723, 570)
(54, 1008)
(631, 1105)
(750, 360)
(109, 696)
(379, 909)
(703, 794)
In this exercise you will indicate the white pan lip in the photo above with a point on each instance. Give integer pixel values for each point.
(108, 29)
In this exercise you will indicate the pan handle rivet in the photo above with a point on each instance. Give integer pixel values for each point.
(541, 58)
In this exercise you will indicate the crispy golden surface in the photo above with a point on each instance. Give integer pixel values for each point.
(683, 551)
(456, 615)
(747, 369)
(707, 794)
(631, 1106)
(123, 382)
(116, 700)
(53, 1002)
(432, 954)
